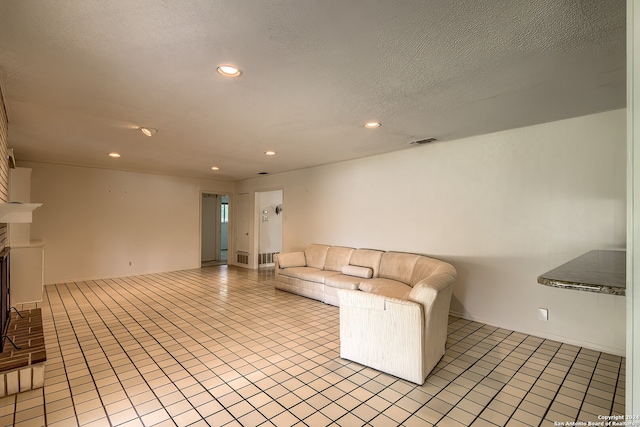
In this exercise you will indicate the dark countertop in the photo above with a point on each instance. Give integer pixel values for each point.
(596, 271)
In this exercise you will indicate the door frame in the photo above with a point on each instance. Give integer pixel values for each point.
(218, 243)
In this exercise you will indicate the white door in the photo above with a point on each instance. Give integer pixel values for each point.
(243, 217)
(209, 221)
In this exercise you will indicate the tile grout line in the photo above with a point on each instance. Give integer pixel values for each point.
(615, 389)
(544, 417)
(237, 327)
(505, 384)
(142, 374)
(459, 375)
(243, 376)
(55, 325)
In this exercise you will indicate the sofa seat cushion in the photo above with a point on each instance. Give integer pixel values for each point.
(386, 287)
(342, 281)
(308, 273)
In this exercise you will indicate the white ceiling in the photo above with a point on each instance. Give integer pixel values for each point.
(79, 76)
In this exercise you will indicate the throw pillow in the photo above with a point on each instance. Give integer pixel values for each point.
(354, 270)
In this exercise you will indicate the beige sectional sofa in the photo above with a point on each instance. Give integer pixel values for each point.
(321, 270)
(394, 306)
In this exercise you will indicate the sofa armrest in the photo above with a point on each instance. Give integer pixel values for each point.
(428, 289)
(403, 337)
(434, 295)
(383, 333)
(288, 259)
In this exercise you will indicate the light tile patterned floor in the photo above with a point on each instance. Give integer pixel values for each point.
(220, 346)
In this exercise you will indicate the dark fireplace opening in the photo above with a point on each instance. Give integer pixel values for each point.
(5, 306)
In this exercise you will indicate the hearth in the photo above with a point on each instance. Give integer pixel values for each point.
(22, 349)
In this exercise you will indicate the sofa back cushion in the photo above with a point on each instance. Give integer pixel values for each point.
(367, 258)
(337, 257)
(398, 266)
(426, 267)
(315, 255)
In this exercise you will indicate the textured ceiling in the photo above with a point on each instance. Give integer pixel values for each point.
(79, 76)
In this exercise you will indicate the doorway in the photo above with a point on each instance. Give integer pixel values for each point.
(215, 229)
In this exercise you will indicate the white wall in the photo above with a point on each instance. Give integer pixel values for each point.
(94, 222)
(503, 208)
(270, 230)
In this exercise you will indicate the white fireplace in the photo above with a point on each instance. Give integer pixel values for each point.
(27, 256)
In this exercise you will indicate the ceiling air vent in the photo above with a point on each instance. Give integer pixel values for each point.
(423, 141)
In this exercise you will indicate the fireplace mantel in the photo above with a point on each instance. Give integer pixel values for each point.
(17, 212)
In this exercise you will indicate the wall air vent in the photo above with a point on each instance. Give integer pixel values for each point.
(266, 258)
(242, 257)
(423, 141)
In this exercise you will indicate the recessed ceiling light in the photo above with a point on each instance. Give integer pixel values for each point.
(114, 155)
(229, 70)
(270, 153)
(148, 131)
(372, 125)
(215, 168)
